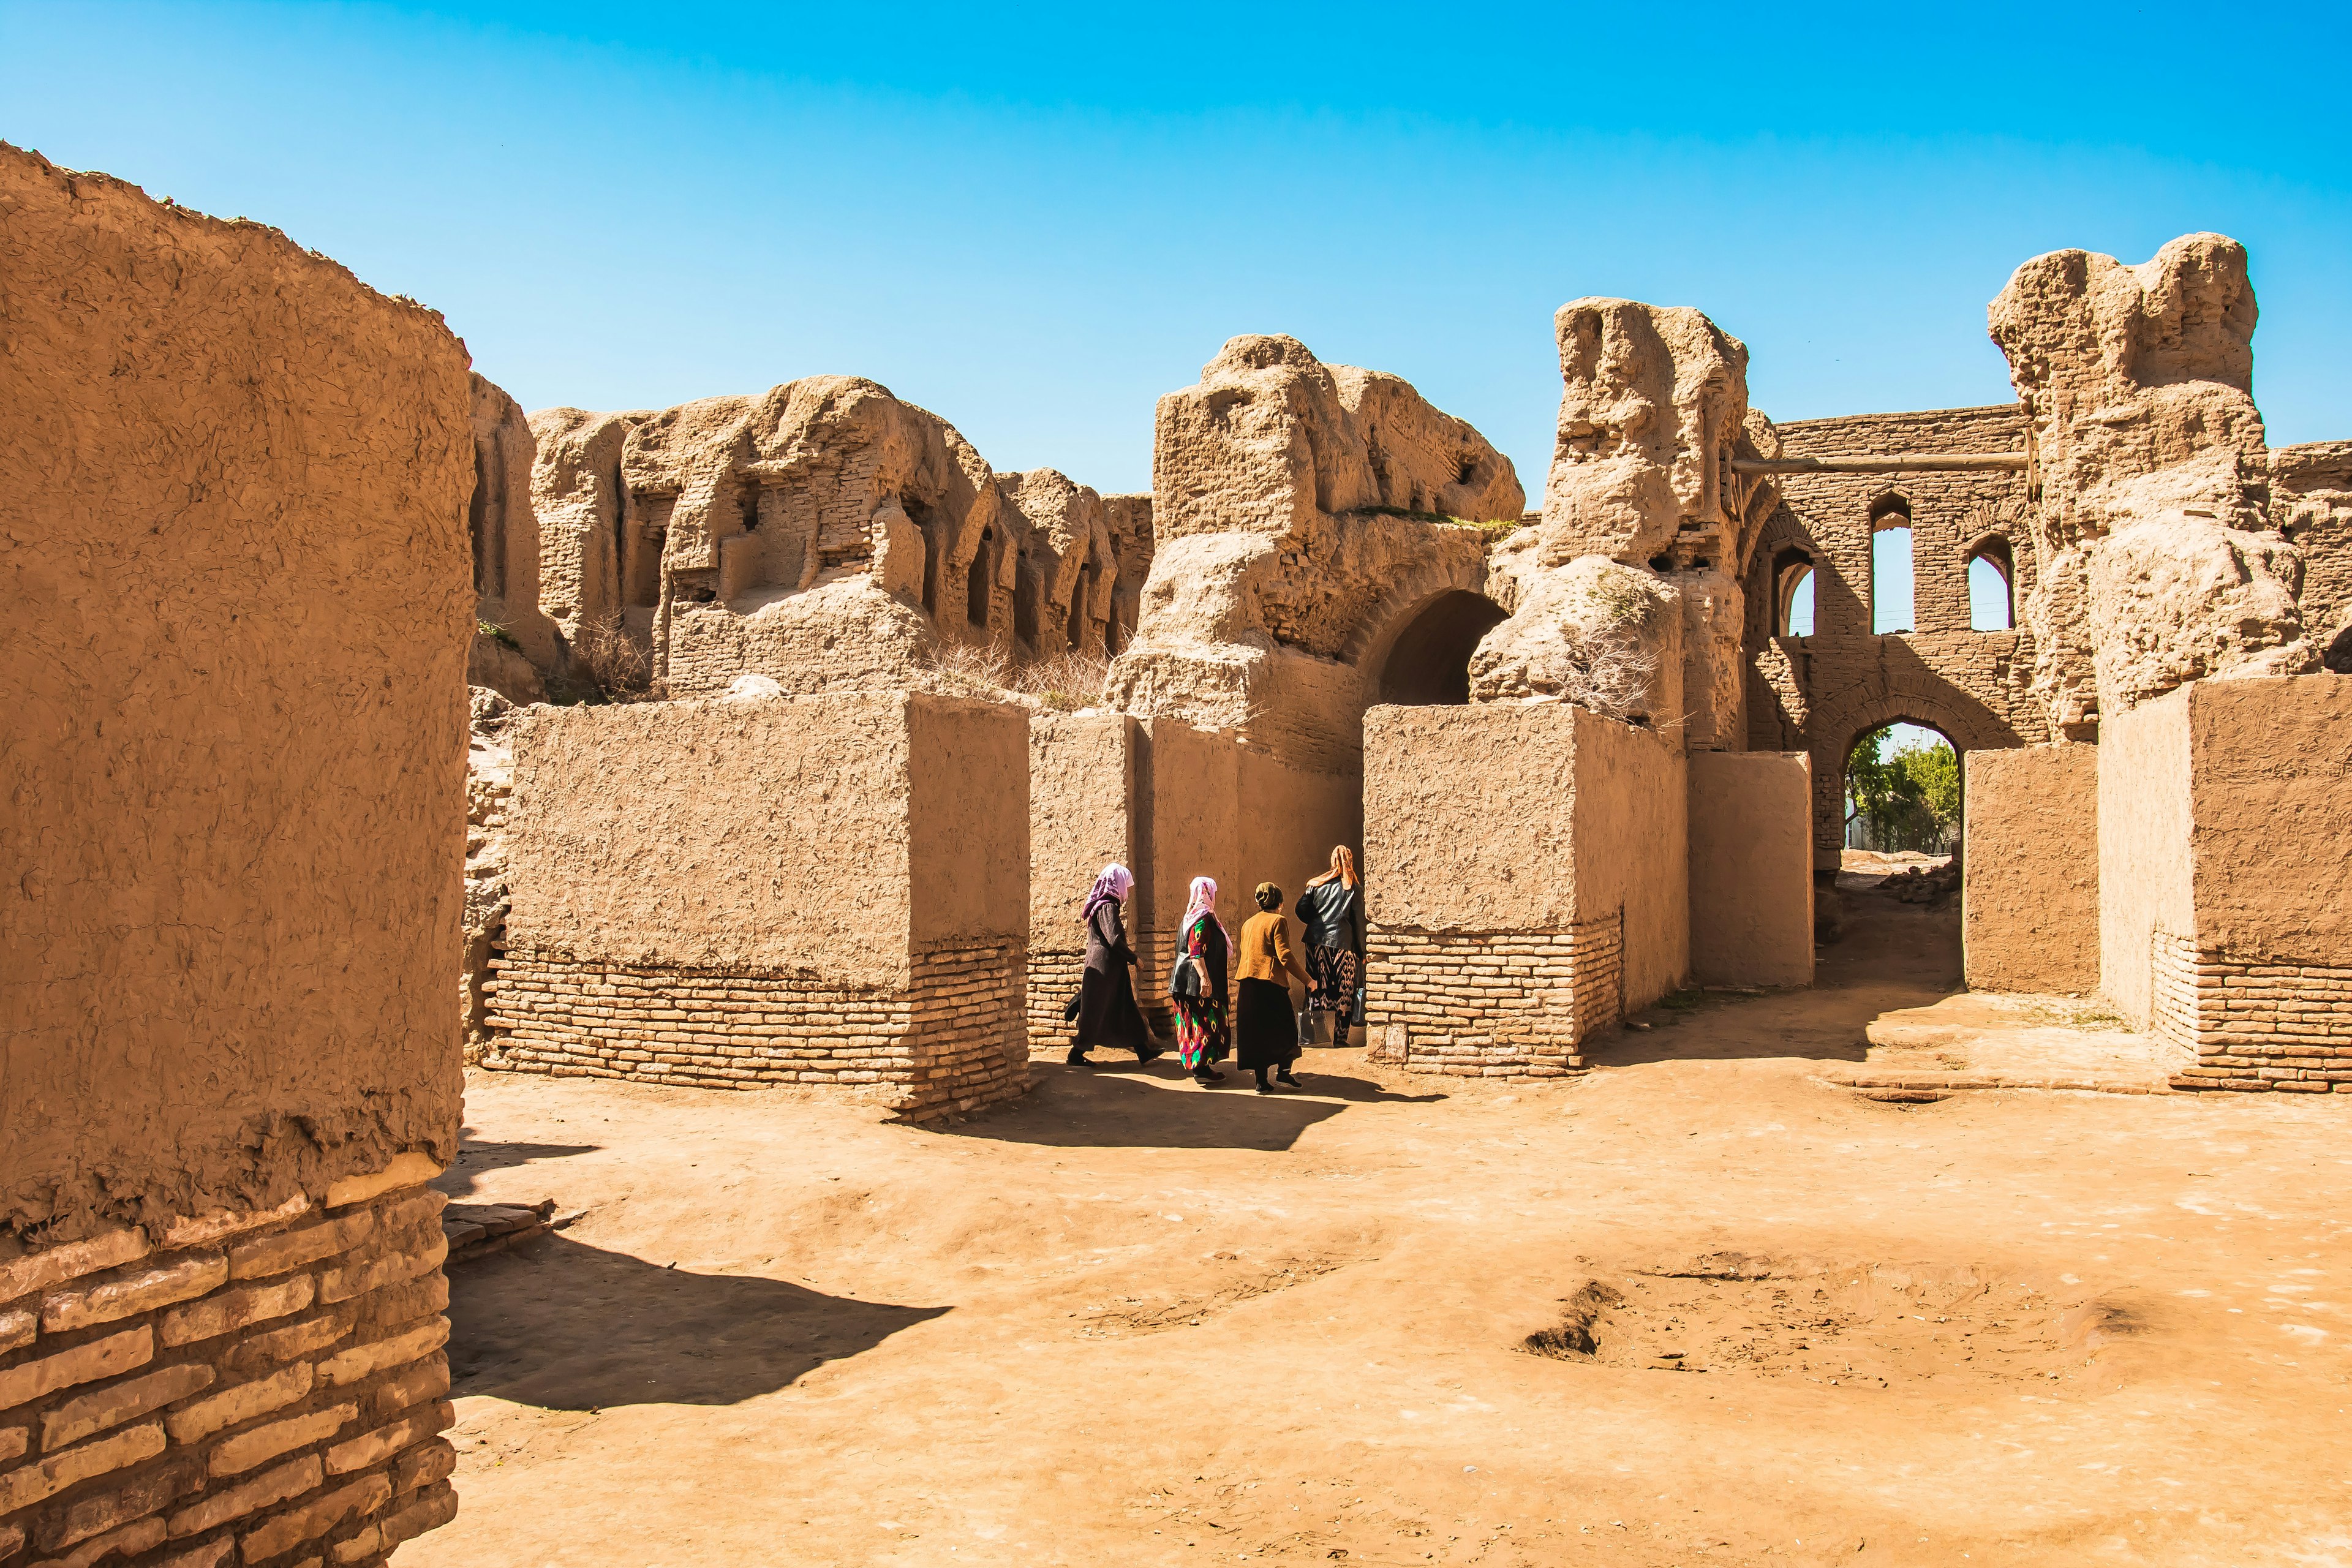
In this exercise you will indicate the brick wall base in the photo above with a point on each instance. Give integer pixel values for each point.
(1493, 1004)
(2253, 1025)
(950, 1041)
(261, 1389)
(1052, 977)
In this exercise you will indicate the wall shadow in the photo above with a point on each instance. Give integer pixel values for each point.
(1159, 1107)
(562, 1325)
(476, 1159)
(1894, 956)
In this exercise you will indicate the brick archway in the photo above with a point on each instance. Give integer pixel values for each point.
(1834, 730)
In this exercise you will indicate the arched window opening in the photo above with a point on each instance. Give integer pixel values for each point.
(1992, 594)
(1792, 594)
(978, 585)
(1902, 792)
(1112, 641)
(1429, 663)
(1891, 600)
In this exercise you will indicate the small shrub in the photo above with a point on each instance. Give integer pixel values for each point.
(497, 634)
(621, 668)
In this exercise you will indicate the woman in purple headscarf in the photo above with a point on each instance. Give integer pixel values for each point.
(1108, 1015)
(1202, 1034)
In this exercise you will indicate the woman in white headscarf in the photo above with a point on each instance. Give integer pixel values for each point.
(1203, 946)
(1108, 1015)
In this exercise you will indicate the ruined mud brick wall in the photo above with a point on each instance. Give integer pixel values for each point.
(2030, 903)
(489, 780)
(1752, 869)
(523, 646)
(826, 535)
(1084, 807)
(238, 551)
(2311, 503)
(1528, 881)
(819, 889)
(2224, 887)
(577, 496)
(271, 1383)
(1297, 513)
(1819, 693)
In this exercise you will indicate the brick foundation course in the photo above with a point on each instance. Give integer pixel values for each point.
(2254, 1024)
(261, 1389)
(952, 1041)
(1510, 1005)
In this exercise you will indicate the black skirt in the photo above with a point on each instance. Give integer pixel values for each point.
(1108, 1015)
(1266, 1031)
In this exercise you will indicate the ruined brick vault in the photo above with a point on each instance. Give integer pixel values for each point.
(798, 733)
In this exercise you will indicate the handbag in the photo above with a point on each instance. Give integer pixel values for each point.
(1070, 1008)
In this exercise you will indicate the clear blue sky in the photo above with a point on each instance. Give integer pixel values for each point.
(1035, 220)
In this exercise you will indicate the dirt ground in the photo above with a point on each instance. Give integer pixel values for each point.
(1697, 1307)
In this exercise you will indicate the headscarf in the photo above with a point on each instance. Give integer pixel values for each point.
(1111, 886)
(1204, 902)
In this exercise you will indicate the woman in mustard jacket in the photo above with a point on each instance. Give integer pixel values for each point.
(1266, 1031)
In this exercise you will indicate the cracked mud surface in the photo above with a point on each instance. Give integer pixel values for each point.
(1133, 1321)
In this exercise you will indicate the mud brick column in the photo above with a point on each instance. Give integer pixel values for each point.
(254, 1387)
(812, 890)
(1529, 883)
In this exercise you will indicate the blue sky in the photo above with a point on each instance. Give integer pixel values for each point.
(1035, 221)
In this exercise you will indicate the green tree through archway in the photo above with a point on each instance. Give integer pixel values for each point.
(1903, 787)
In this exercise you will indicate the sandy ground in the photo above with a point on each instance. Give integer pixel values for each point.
(1133, 1321)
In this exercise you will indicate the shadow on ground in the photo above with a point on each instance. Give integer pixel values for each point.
(1159, 1107)
(1894, 956)
(475, 1159)
(632, 1331)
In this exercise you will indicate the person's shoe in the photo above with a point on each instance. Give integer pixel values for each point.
(1209, 1075)
(1149, 1054)
(1078, 1059)
(1265, 1088)
(1283, 1076)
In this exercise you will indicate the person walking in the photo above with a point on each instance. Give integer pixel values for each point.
(1108, 1015)
(1266, 1031)
(1331, 920)
(1203, 1025)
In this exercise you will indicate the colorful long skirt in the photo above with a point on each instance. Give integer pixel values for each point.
(1203, 1033)
(1333, 970)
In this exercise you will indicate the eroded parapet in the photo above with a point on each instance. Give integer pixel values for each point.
(825, 889)
(578, 498)
(2158, 563)
(237, 729)
(1508, 922)
(826, 535)
(1300, 513)
(2223, 887)
(1653, 415)
(521, 649)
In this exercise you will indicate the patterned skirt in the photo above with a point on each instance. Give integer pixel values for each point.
(1203, 1035)
(1333, 970)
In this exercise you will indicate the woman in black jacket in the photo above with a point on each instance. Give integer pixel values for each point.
(1332, 912)
(1108, 1015)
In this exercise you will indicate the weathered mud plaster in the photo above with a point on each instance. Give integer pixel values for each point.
(2158, 561)
(826, 535)
(814, 889)
(2030, 903)
(1509, 918)
(1752, 869)
(577, 496)
(503, 528)
(1283, 570)
(237, 553)
(2224, 883)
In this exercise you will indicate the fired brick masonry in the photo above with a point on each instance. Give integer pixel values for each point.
(237, 558)
(811, 891)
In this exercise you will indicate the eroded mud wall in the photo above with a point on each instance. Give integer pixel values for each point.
(1517, 853)
(1083, 805)
(1752, 869)
(816, 889)
(237, 561)
(2146, 908)
(2030, 893)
